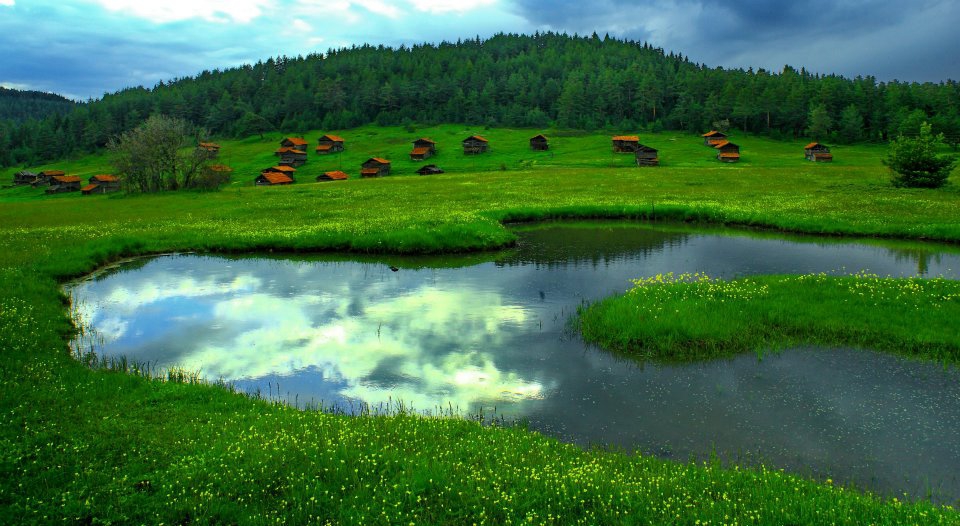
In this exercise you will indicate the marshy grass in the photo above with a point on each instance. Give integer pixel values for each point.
(691, 317)
(82, 445)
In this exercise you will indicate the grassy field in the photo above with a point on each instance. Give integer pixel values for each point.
(84, 445)
(693, 317)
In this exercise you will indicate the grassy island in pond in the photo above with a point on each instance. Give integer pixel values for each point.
(691, 317)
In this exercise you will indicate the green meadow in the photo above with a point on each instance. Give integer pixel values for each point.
(88, 442)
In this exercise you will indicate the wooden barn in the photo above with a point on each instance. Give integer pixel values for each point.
(272, 178)
(64, 183)
(46, 177)
(625, 143)
(430, 169)
(647, 156)
(212, 149)
(329, 144)
(335, 175)
(101, 184)
(291, 157)
(423, 149)
(24, 177)
(296, 143)
(712, 137)
(375, 167)
(539, 143)
(727, 151)
(281, 169)
(475, 144)
(818, 153)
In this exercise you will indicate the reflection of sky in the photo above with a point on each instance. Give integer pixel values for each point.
(494, 335)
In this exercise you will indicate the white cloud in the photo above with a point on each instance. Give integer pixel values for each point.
(8, 3)
(14, 85)
(300, 25)
(379, 7)
(242, 11)
(446, 6)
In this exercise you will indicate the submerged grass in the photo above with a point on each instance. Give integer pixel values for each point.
(694, 317)
(88, 445)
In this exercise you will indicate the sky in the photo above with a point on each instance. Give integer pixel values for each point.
(85, 48)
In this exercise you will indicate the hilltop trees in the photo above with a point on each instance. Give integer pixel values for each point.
(915, 162)
(156, 156)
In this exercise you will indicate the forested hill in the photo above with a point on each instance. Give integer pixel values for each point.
(508, 80)
(18, 105)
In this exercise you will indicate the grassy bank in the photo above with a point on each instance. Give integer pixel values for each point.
(693, 317)
(99, 446)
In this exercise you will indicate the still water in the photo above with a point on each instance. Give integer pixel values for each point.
(491, 333)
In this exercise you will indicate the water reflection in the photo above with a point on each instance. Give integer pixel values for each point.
(494, 334)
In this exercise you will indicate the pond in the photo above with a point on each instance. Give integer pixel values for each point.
(490, 333)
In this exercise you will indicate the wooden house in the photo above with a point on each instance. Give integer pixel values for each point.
(24, 177)
(281, 169)
(329, 144)
(272, 178)
(539, 143)
(475, 144)
(212, 149)
(375, 167)
(101, 184)
(45, 177)
(291, 157)
(430, 169)
(647, 156)
(296, 143)
(727, 151)
(712, 137)
(625, 143)
(335, 175)
(423, 149)
(818, 153)
(63, 183)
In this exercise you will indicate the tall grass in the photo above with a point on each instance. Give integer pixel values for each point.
(693, 317)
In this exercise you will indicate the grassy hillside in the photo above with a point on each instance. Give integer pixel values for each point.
(82, 445)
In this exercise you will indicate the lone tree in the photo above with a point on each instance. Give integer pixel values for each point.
(915, 162)
(158, 155)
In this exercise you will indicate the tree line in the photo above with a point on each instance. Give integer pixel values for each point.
(545, 79)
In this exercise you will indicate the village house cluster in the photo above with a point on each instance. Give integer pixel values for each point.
(293, 154)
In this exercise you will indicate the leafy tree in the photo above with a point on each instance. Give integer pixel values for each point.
(915, 162)
(819, 122)
(158, 155)
(851, 124)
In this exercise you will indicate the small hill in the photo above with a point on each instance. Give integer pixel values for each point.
(18, 105)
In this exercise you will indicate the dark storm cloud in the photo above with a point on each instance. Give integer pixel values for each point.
(869, 37)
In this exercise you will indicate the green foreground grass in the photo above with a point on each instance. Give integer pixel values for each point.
(693, 317)
(84, 445)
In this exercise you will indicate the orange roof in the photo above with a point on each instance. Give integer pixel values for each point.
(281, 169)
(336, 175)
(823, 155)
(379, 160)
(294, 140)
(89, 187)
(477, 137)
(209, 145)
(288, 150)
(721, 144)
(628, 138)
(104, 178)
(729, 155)
(369, 171)
(712, 133)
(812, 145)
(333, 138)
(51, 173)
(220, 168)
(423, 150)
(66, 178)
(324, 147)
(276, 178)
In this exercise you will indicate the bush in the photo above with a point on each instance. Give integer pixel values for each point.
(915, 163)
